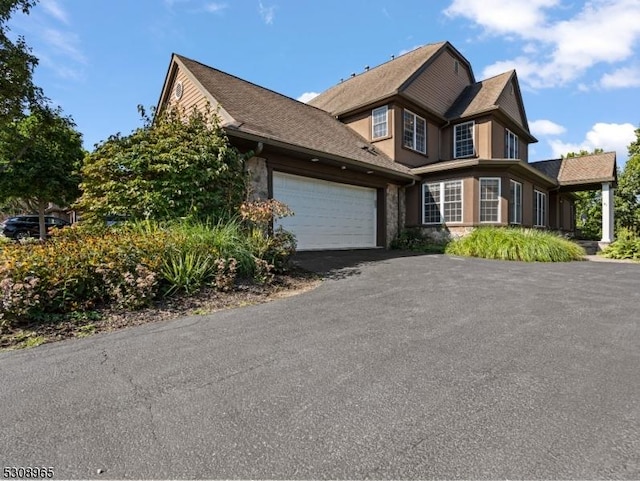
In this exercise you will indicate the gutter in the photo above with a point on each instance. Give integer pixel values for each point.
(316, 153)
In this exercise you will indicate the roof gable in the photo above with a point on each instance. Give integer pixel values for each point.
(501, 92)
(380, 82)
(271, 116)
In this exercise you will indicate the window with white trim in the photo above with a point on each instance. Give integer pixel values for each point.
(415, 132)
(489, 199)
(510, 145)
(463, 145)
(515, 202)
(540, 209)
(442, 202)
(380, 122)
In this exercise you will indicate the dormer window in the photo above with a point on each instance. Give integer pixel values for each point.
(380, 122)
(463, 145)
(415, 132)
(510, 145)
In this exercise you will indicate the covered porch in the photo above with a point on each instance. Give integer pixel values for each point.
(578, 174)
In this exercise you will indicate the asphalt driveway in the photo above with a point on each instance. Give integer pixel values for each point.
(407, 367)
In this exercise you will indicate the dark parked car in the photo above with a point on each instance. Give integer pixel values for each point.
(23, 226)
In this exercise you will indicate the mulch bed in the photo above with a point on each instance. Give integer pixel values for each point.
(105, 319)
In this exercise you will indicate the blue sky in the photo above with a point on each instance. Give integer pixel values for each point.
(578, 61)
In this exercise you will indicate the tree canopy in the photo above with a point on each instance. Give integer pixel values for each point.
(46, 169)
(178, 165)
(628, 191)
(17, 90)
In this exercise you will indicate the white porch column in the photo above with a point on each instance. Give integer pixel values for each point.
(607, 212)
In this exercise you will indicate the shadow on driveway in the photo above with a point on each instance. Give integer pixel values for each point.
(337, 264)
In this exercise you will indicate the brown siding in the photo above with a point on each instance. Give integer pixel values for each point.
(439, 86)
(568, 215)
(497, 141)
(483, 138)
(470, 192)
(362, 124)
(523, 149)
(191, 96)
(508, 101)
(527, 204)
(446, 143)
(410, 157)
(413, 203)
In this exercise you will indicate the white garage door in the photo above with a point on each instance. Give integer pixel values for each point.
(328, 215)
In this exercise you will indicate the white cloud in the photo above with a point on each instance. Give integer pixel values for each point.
(502, 16)
(307, 96)
(609, 137)
(545, 127)
(214, 7)
(64, 43)
(622, 78)
(53, 8)
(268, 14)
(560, 50)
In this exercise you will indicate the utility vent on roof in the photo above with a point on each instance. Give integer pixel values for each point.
(178, 91)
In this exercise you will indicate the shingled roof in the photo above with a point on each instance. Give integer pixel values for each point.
(479, 97)
(273, 116)
(377, 83)
(484, 96)
(587, 169)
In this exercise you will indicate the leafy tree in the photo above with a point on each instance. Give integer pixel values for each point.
(17, 90)
(46, 169)
(627, 195)
(178, 165)
(588, 205)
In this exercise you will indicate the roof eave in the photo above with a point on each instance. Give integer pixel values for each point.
(243, 134)
(599, 180)
(466, 163)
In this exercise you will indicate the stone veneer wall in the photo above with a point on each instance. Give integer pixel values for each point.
(396, 214)
(258, 182)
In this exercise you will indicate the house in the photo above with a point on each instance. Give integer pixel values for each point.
(414, 142)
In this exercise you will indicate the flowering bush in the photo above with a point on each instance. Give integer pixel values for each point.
(274, 247)
(263, 212)
(79, 268)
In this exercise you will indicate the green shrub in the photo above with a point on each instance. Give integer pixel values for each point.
(529, 245)
(626, 246)
(128, 266)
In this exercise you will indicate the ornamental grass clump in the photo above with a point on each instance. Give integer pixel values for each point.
(516, 244)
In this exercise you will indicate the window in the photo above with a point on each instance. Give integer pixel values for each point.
(380, 124)
(489, 199)
(463, 140)
(456, 66)
(510, 145)
(515, 203)
(442, 202)
(540, 209)
(415, 132)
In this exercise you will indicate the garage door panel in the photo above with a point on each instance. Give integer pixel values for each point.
(327, 214)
